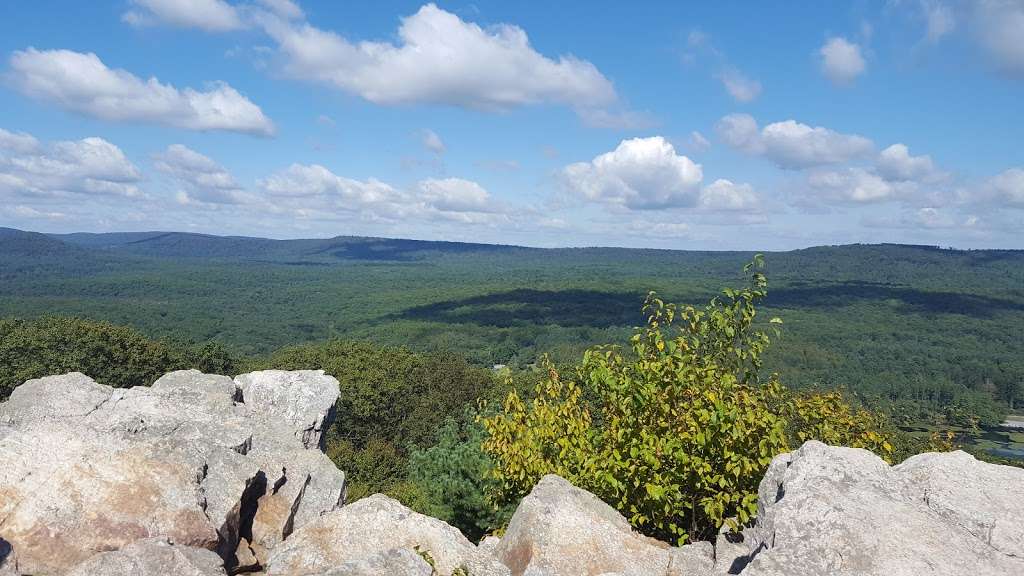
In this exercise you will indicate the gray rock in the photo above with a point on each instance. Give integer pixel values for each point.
(296, 399)
(88, 467)
(369, 527)
(843, 511)
(559, 529)
(393, 562)
(152, 557)
(488, 545)
(985, 499)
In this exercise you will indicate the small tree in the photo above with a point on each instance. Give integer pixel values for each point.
(683, 425)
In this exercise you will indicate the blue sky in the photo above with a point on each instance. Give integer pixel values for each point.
(707, 126)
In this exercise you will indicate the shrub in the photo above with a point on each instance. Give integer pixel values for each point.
(676, 432)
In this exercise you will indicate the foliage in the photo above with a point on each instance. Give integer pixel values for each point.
(453, 476)
(118, 356)
(684, 425)
(391, 401)
(831, 418)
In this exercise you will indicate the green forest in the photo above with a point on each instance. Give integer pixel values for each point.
(901, 343)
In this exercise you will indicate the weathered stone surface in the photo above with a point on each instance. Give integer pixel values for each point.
(985, 499)
(369, 527)
(90, 468)
(559, 529)
(152, 557)
(393, 562)
(295, 399)
(488, 545)
(843, 511)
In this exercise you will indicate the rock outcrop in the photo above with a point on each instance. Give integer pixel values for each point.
(842, 511)
(190, 459)
(561, 529)
(373, 526)
(205, 475)
(152, 556)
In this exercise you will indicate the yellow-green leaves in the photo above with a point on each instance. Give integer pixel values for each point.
(683, 425)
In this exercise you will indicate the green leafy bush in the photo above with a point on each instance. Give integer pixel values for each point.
(677, 431)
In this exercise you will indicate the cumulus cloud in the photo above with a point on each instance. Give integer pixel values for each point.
(90, 166)
(739, 86)
(307, 190)
(433, 142)
(82, 83)
(646, 174)
(440, 59)
(855, 185)
(1007, 187)
(790, 144)
(456, 195)
(17, 141)
(723, 194)
(641, 173)
(896, 163)
(999, 26)
(841, 60)
(210, 15)
(199, 177)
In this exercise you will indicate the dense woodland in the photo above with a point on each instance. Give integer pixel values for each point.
(929, 338)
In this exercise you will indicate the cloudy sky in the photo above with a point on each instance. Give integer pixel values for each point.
(677, 125)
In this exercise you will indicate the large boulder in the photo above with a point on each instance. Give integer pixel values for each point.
(561, 530)
(359, 533)
(843, 511)
(152, 557)
(190, 459)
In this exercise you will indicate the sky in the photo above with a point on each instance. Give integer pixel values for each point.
(715, 125)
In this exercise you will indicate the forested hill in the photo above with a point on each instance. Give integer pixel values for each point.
(939, 326)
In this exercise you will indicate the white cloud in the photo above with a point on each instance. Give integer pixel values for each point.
(200, 177)
(17, 142)
(433, 142)
(283, 8)
(641, 173)
(89, 166)
(740, 131)
(856, 185)
(308, 190)
(697, 142)
(896, 163)
(325, 120)
(739, 86)
(1007, 187)
(999, 26)
(928, 217)
(790, 144)
(841, 60)
(210, 15)
(456, 195)
(81, 83)
(723, 194)
(441, 59)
